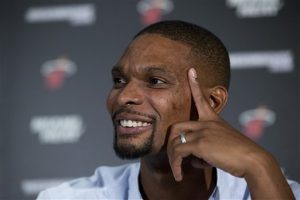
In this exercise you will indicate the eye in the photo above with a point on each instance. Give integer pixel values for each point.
(155, 81)
(118, 82)
(158, 83)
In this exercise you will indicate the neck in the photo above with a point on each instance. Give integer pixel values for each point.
(157, 181)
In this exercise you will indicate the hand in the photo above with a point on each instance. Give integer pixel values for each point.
(214, 142)
(210, 139)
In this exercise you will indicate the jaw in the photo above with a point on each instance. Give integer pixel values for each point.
(133, 142)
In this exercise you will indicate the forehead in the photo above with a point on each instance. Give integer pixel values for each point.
(155, 50)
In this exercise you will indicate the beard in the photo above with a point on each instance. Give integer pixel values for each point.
(131, 151)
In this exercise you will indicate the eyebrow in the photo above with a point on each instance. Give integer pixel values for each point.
(116, 70)
(159, 69)
(149, 69)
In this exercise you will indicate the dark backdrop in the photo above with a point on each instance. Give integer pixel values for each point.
(55, 61)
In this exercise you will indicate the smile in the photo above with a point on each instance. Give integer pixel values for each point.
(132, 123)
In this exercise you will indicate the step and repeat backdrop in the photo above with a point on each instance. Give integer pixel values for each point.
(55, 62)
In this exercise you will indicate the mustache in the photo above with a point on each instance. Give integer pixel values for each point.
(126, 109)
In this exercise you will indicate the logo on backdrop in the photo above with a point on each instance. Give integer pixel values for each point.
(55, 72)
(281, 61)
(57, 129)
(255, 8)
(254, 121)
(76, 15)
(151, 11)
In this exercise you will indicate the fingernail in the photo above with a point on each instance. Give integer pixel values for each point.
(193, 73)
(178, 178)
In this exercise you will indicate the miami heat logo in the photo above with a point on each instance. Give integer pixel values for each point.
(151, 11)
(254, 121)
(55, 72)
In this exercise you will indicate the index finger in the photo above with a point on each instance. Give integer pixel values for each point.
(204, 110)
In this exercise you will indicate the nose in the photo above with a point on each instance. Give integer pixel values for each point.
(131, 93)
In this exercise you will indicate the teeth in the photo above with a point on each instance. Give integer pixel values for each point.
(131, 123)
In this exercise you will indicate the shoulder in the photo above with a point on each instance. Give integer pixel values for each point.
(108, 176)
(99, 185)
(295, 188)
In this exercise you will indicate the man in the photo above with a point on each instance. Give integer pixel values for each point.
(168, 90)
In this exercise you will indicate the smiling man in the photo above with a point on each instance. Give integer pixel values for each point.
(169, 87)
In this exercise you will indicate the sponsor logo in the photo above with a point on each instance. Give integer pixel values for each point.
(254, 121)
(151, 11)
(57, 129)
(75, 15)
(34, 186)
(275, 61)
(55, 72)
(255, 8)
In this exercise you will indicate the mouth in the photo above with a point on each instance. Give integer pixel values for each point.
(126, 127)
(132, 124)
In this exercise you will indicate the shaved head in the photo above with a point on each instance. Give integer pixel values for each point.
(208, 54)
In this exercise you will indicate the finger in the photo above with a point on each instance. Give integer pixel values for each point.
(185, 127)
(177, 151)
(176, 167)
(176, 156)
(205, 112)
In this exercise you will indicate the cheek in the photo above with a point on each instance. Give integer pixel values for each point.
(174, 107)
(181, 106)
(109, 101)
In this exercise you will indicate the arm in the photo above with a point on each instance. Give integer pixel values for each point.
(214, 141)
(266, 181)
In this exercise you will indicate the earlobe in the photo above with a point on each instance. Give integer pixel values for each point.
(218, 98)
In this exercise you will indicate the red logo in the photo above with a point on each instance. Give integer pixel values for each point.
(151, 11)
(55, 72)
(254, 121)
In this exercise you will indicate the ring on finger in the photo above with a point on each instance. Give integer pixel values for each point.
(182, 138)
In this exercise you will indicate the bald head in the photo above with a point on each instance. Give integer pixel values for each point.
(207, 54)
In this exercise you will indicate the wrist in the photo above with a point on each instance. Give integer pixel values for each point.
(260, 165)
(265, 179)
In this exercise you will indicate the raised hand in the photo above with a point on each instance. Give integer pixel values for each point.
(214, 142)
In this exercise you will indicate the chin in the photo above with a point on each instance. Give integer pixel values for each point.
(128, 149)
(131, 152)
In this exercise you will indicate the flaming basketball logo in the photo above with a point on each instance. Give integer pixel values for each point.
(151, 11)
(56, 70)
(254, 121)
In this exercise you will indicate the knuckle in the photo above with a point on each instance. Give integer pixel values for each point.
(174, 142)
(205, 132)
(200, 145)
(171, 145)
(173, 128)
(172, 148)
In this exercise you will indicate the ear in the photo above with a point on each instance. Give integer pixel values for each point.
(218, 98)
